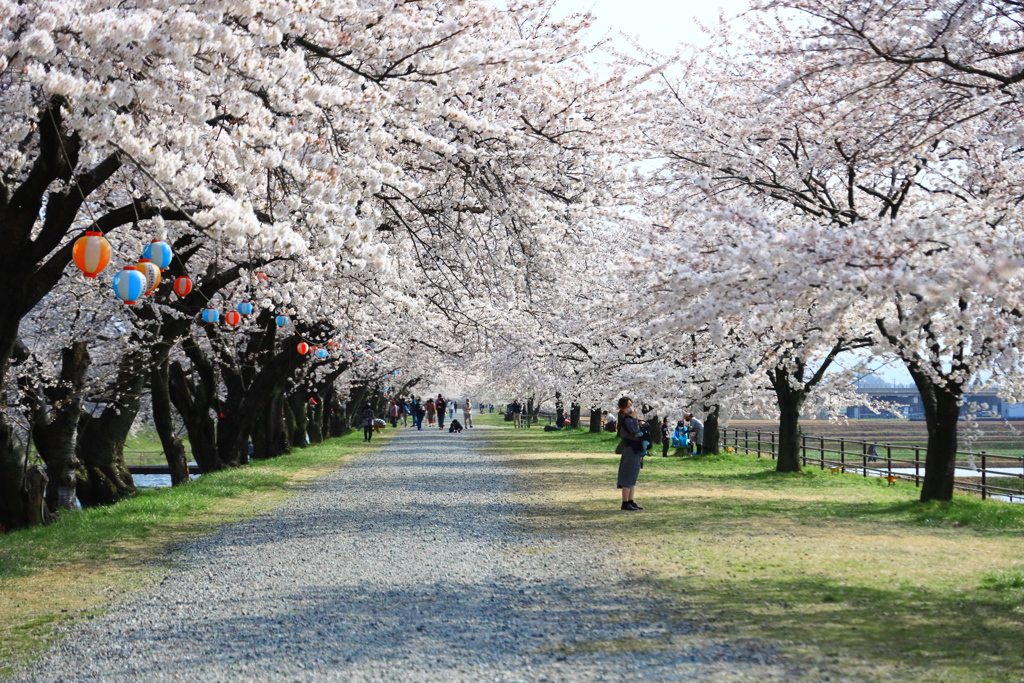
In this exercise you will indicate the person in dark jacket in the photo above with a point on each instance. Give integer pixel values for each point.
(629, 429)
(441, 406)
(366, 419)
(666, 437)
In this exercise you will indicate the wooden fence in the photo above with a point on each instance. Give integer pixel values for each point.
(989, 474)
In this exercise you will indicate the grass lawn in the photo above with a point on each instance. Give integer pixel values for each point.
(72, 568)
(852, 578)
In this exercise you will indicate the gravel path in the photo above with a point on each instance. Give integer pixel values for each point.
(405, 566)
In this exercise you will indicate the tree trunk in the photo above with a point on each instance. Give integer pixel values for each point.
(35, 496)
(316, 429)
(654, 426)
(194, 404)
(942, 414)
(298, 403)
(790, 403)
(13, 456)
(55, 430)
(595, 419)
(712, 434)
(174, 449)
(103, 476)
(574, 415)
(336, 416)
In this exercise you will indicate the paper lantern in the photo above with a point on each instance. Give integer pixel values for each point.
(91, 253)
(149, 271)
(260, 275)
(232, 318)
(320, 353)
(159, 253)
(282, 320)
(244, 308)
(182, 286)
(211, 315)
(129, 284)
(302, 348)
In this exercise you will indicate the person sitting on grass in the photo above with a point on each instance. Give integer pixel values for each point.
(455, 427)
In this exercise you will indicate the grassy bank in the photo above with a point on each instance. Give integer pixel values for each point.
(72, 568)
(853, 578)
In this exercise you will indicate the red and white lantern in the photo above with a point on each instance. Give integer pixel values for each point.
(182, 286)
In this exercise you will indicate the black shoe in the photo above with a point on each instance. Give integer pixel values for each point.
(633, 505)
(627, 507)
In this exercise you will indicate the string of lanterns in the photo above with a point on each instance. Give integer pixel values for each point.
(91, 254)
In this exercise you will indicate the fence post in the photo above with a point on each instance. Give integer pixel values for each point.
(888, 457)
(758, 444)
(864, 464)
(984, 477)
(746, 440)
(821, 452)
(773, 445)
(842, 455)
(803, 448)
(917, 465)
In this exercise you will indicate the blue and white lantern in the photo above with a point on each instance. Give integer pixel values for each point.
(282, 320)
(244, 308)
(129, 285)
(211, 316)
(320, 353)
(159, 253)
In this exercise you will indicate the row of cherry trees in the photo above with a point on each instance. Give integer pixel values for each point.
(831, 179)
(386, 175)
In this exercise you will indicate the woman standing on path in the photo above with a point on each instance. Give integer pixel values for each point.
(467, 414)
(367, 419)
(442, 410)
(431, 411)
(630, 447)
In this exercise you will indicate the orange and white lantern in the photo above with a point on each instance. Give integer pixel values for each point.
(91, 253)
(149, 271)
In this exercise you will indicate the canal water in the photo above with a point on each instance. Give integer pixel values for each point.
(155, 481)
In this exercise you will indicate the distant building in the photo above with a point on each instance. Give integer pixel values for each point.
(905, 402)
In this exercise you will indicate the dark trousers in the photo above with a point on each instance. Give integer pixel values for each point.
(665, 443)
(367, 433)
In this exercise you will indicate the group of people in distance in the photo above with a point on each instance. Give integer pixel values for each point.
(433, 410)
(635, 438)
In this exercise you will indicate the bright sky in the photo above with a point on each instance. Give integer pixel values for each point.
(660, 24)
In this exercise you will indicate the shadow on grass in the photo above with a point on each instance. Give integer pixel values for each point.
(904, 625)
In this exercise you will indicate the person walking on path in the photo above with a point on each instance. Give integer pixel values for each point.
(431, 410)
(451, 409)
(696, 432)
(367, 419)
(417, 414)
(666, 437)
(517, 413)
(403, 410)
(393, 413)
(630, 462)
(442, 411)
(467, 414)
